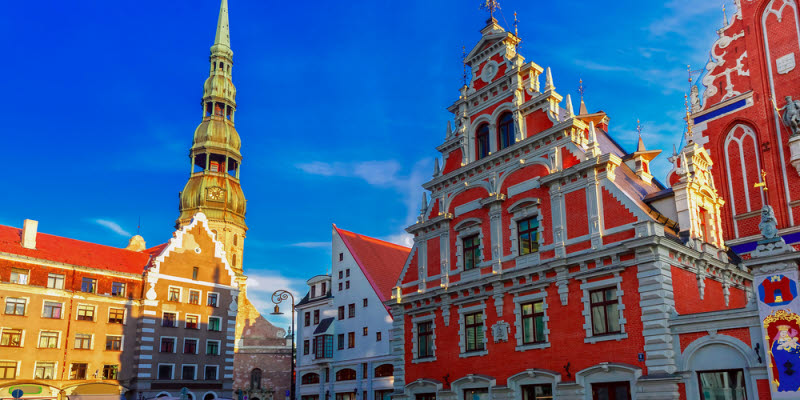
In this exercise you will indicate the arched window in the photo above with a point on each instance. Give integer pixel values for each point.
(505, 130)
(255, 379)
(233, 260)
(742, 168)
(346, 374)
(235, 240)
(309, 378)
(384, 370)
(210, 396)
(482, 141)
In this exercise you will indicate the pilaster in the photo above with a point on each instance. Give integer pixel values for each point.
(656, 300)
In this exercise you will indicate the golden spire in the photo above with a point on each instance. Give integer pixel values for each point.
(491, 6)
(516, 23)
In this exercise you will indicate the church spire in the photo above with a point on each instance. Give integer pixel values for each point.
(222, 41)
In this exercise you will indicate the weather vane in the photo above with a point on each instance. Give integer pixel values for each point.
(639, 127)
(491, 6)
(688, 115)
(580, 88)
(516, 23)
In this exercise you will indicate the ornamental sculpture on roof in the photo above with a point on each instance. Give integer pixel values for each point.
(791, 115)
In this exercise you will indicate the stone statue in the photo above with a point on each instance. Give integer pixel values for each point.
(769, 224)
(791, 115)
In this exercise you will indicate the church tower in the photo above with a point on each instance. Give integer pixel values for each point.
(213, 185)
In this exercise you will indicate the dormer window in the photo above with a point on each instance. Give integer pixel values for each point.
(505, 130)
(482, 141)
(313, 291)
(702, 215)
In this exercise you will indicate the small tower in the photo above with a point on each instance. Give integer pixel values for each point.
(639, 161)
(697, 202)
(213, 185)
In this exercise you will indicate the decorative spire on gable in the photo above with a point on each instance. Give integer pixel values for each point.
(639, 161)
(582, 110)
(570, 110)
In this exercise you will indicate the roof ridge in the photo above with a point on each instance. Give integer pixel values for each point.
(79, 240)
(386, 242)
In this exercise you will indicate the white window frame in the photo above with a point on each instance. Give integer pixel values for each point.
(25, 311)
(415, 339)
(209, 323)
(69, 371)
(462, 334)
(180, 293)
(196, 347)
(21, 338)
(39, 339)
(91, 341)
(520, 211)
(174, 348)
(518, 302)
(219, 347)
(158, 370)
(208, 294)
(189, 365)
(94, 311)
(55, 369)
(465, 229)
(27, 276)
(124, 314)
(216, 371)
(53, 301)
(177, 319)
(199, 297)
(63, 280)
(586, 287)
(121, 342)
(186, 320)
(124, 289)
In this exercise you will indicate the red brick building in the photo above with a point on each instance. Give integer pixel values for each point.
(549, 263)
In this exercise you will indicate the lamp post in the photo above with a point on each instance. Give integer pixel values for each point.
(278, 297)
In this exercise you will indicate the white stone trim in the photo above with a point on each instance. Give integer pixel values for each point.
(586, 287)
(467, 207)
(518, 302)
(533, 376)
(175, 341)
(219, 346)
(464, 229)
(608, 372)
(462, 338)
(414, 342)
(189, 365)
(523, 212)
(523, 187)
(158, 369)
(472, 381)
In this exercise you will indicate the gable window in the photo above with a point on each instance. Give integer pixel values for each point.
(505, 128)
(604, 309)
(85, 312)
(324, 289)
(351, 310)
(533, 322)
(341, 257)
(174, 294)
(55, 281)
(341, 273)
(192, 321)
(212, 347)
(347, 284)
(340, 285)
(347, 273)
(702, 215)
(366, 332)
(88, 285)
(116, 315)
(482, 141)
(365, 302)
(113, 342)
(11, 338)
(425, 339)
(48, 340)
(110, 371)
(473, 328)
(51, 309)
(189, 346)
(472, 251)
(118, 289)
(83, 341)
(194, 297)
(377, 336)
(313, 291)
(213, 299)
(8, 369)
(78, 371)
(44, 370)
(19, 275)
(195, 270)
(167, 345)
(169, 320)
(215, 324)
(528, 234)
(15, 306)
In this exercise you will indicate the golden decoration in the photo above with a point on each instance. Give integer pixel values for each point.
(781, 315)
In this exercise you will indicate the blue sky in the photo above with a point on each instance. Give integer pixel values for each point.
(341, 105)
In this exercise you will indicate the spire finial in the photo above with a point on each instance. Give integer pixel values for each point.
(724, 17)
(223, 30)
(570, 110)
(640, 146)
(548, 85)
(593, 148)
(464, 62)
(516, 25)
(688, 118)
(582, 110)
(580, 88)
(491, 6)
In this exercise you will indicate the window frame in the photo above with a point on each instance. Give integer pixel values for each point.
(483, 147)
(351, 340)
(351, 310)
(85, 338)
(49, 337)
(56, 279)
(196, 345)
(605, 305)
(118, 285)
(216, 372)
(173, 321)
(196, 301)
(533, 243)
(121, 342)
(533, 316)
(92, 281)
(115, 320)
(219, 347)
(215, 296)
(475, 328)
(115, 370)
(171, 373)
(19, 272)
(219, 324)
(609, 282)
(427, 337)
(194, 374)
(12, 333)
(186, 321)
(81, 313)
(16, 304)
(43, 364)
(50, 303)
(171, 291)
(507, 138)
(161, 341)
(72, 370)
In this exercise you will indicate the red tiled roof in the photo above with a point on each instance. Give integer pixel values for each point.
(75, 252)
(381, 261)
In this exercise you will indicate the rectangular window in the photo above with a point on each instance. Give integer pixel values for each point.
(15, 306)
(194, 297)
(213, 299)
(365, 302)
(377, 336)
(340, 285)
(55, 281)
(347, 273)
(725, 384)
(195, 270)
(169, 320)
(323, 346)
(116, 315)
(340, 341)
(174, 294)
(167, 345)
(473, 330)
(8, 369)
(621, 391)
(604, 308)
(85, 312)
(528, 235)
(324, 289)
(347, 284)
(188, 372)
(118, 289)
(89, 285)
(306, 318)
(19, 275)
(48, 340)
(426, 396)
(210, 373)
(341, 273)
(11, 338)
(537, 392)
(533, 322)
(313, 291)
(472, 251)
(341, 312)
(351, 340)
(366, 331)
(383, 394)
(215, 324)
(83, 341)
(306, 347)
(316, 317)
(351, 310)
(165, 372)
(192, 322)
(77, 371)
(341, 258)
(51, 309)
(212, 348)
(189, 346)
(425, 339)
(476, 394)
(110, 371)
(113, 342)
(44, 370)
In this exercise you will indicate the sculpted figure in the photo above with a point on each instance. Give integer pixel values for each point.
(791, 115)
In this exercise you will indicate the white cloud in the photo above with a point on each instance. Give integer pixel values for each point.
(113, 226)
(311, 245)
(260, 287)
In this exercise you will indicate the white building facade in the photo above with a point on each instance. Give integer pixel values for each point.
(343, 327)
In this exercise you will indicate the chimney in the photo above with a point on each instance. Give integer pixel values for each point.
(29, 233)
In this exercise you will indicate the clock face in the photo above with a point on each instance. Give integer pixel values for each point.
(215, 193)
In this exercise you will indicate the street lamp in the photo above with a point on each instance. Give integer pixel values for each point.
(278, 297)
